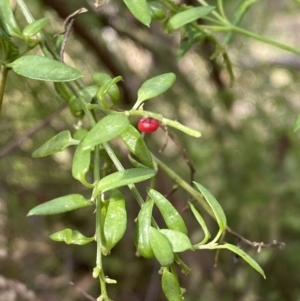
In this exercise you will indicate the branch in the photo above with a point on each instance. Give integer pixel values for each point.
(258, 245)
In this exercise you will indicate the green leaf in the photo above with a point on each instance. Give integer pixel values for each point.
(179, 241)
(115, 220)
(70, 236)
(88, 93)
(170, 286)
(44, 68)
(60, 205)
(140, 9)
(161, 247)
(297, 124)
(105, 130)
(171, 216)
(202, 223)
(215, 206)
(136, 144)
(122, 178)
(81, 165)
(156, 10)
(244, 255)
(8, 50)
(110, 88)
(56, 144)
(103, 79)
(155, 86)
(136, 163)
(35, 27)
(189, 15)
(7, 19)
(142, 229)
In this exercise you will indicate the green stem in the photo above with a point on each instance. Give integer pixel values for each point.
(184, 268)
(182, 183)
(214, 13)
(120, 167)
(221, 9)
(29, 18)
(3, 77)
(264, 39)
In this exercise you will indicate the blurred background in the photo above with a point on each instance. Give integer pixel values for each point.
(248, 156)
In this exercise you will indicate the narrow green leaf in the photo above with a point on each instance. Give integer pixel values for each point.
(105, 130)
(35, 27)
(297, 124)
(81, 165)
(161, 247)
(215, 206)
(115, 220)
(140, 9)
(88, 93)
(7, 19)
(110, 88)
(170, 286)
(56, 144)
(60, 205)
(189, 15)
(155, 86)
(70, 236)
(171, 216)
(8, 50)
(44, 68)
(136, 144)
(122, 178)
(179, 241)
(244, 255)
(136, 163)
(142, 229)
(202, 223)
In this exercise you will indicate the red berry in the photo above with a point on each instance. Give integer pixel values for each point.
(148, 125)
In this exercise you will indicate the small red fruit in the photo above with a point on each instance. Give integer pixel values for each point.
(148, 125)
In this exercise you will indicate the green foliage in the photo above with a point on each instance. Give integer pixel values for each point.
(122, 178)
(154, 87)
(43, 68)
(97, 162)
(140, 10)
(61, 205)
(115, 220)
(215, 206)
(56, 144)
(170, 286)
(142, 230)
(161, 247)
(136, 144)
(171, 216)
(188, 16)
(70, 236)
(35, 27)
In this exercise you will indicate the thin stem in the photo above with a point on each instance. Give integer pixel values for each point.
(214, 13)
(120, 167)
(3, 77)
(29, 18)
(215, 28)
(221, 9)
(212, 20)
(264, 39)
(182, 183)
